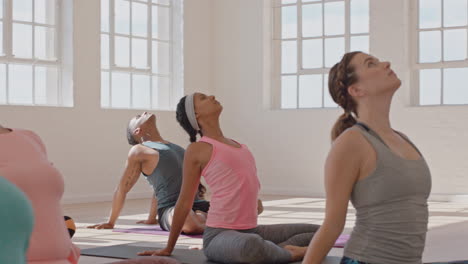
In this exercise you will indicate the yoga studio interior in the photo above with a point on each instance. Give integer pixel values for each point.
(233, 131)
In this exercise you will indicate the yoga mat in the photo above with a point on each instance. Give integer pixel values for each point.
(128, 251)
(156, 230)
(340, 242)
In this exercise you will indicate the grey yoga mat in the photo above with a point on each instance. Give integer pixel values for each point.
(127, 251)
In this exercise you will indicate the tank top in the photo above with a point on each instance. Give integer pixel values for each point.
(391, 207)
(231, 174)
(16, 223)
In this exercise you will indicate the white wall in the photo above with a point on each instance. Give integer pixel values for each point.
(87, 143)
(226, 54)
(290, 146)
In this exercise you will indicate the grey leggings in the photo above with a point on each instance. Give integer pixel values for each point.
(263, 244)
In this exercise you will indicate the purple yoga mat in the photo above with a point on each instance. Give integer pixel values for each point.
(156, 230)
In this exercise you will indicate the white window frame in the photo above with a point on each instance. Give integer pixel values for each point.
(417, 66)
(277, 39)
(175, 53)
(8, 58)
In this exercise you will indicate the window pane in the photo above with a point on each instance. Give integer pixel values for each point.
(288, 92)
(46, 85)
(22, 10)
(139, 53)
(310, 91)
(20, 84)
(429, 87)
(312, 53)
(22, 40)
(455, 13)
(334, 50)
(1, 9)
(430, 47)
(289, 22)
(360, 43)
(163, 2)
(334, 18)
(430, 13)
(328, 101)
(105, 89)
(288, 1)
(161, 22)
(139, 19)
(312, 20)
(1, 38)
(104, 51)
(105, 15)
(44, 11)
(308, 1)
(455, 44)
(455, 91)
(141, 92)
(120, 90)
(122, 16)
(161, 93)
(44, 43)
(161, 55)
(122, 51)
(3, 92)
(359, 16)
(289, 57)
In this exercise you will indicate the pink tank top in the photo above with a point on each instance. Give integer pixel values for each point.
(232, 176)
(23, 161)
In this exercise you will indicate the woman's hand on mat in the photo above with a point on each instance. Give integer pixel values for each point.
(161, 252)
(102, 226)
(148, 222)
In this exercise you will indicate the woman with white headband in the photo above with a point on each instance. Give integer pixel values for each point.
(232, 234)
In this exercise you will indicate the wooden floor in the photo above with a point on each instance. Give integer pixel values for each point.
(447, 237)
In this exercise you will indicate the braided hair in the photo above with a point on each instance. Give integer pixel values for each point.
(341, 76)
(184, 122)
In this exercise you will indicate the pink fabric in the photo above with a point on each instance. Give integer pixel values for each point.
(23, 161)
(232, 176)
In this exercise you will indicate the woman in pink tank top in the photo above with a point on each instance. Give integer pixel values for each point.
(232, 234)
(23, 161)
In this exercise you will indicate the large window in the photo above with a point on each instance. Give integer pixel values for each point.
(30, 53)
(441, 62)
(141, 42)
(310, 36)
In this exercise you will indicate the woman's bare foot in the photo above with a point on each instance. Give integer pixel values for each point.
(297, 253)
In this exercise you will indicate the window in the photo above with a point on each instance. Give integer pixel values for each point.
(141, 58)
(441, 64)
(310, 36)
(30, 65)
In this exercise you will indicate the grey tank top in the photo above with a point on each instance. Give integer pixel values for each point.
(391, 208)
(166, 179)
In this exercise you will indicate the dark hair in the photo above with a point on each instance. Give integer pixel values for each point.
(182, 118)
(131, 140)
(341, 76)
(184, 122)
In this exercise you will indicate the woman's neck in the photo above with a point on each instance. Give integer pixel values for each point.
(212, 130)
(377, 116)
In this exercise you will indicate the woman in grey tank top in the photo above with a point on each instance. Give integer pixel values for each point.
(375, 167)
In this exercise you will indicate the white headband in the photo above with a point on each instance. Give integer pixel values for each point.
(190, 111)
